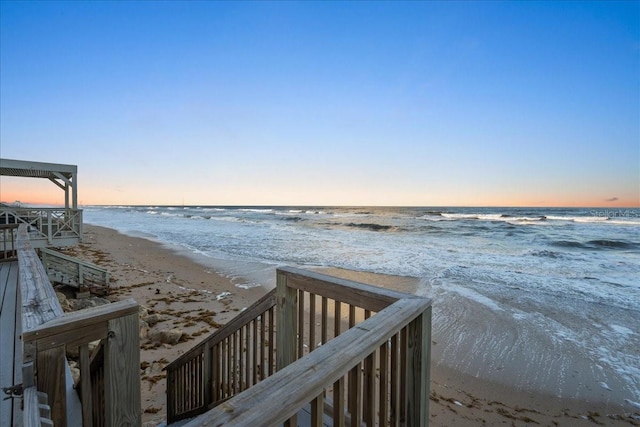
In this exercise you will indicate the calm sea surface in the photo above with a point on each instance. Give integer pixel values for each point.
(557, 289)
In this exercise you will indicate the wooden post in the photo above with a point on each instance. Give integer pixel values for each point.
(317, 410)
(49, 228)
(417, 378)
(286, 327)
(122, 372)
(74, 191)
(66, 196)
(51, 365)
(286, 322)
(85, 382)
(207, 374)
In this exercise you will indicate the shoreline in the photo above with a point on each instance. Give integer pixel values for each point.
(177, 285)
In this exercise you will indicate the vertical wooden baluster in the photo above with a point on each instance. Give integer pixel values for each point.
(255, 351)
(403, 375)
(324, 322)
(369, 387)
(395, 383)
(317, 406)
(312, 322)
(85, 384)
(384, 385)
(272, 360)
(300, 325)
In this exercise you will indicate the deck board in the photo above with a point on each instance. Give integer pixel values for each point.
(9, 336)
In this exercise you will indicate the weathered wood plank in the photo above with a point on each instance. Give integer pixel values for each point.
(22, 373)
(355, 395)
(74, 271)
(38, 299)
(122, 372)
(312, 322)
(325, 320)
(206, 374)
(286, 322)
(280, 396)
(272, 341)
(35, 412)
(51, 373)
(338, 403)
(85, 385)
(317, 410)
(369, 406)
(8, 315)
(418, 364)
(300, 333)
(383, 410)
(394, 408)
(89, 317)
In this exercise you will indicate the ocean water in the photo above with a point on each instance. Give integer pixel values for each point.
(544, 299)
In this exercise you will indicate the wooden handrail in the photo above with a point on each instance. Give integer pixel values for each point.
(347, 291)
(282, 395)
(83, 325)
(114, 324)
(39, 301)
(47, 333)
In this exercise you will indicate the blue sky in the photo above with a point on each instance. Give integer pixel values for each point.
(325, 103)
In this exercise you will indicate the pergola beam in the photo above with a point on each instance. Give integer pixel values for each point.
(51, 171)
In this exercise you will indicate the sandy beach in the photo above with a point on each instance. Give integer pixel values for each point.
(184, 293)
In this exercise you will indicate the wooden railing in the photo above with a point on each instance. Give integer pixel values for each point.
(401, 396)
(47, 333)
(232, 359)
(369, 368)
(116, 325)
(8, 250)
(75, 272)
(47, 226)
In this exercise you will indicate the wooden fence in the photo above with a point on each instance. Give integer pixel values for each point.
(348, 351)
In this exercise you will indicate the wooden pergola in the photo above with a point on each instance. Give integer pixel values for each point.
(64, 176)
(54, 226)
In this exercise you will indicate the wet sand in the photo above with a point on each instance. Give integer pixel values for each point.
(187, 293)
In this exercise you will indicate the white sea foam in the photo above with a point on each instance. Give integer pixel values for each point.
(477, 297)
(621, 330)
(255, 210)
(553, 279)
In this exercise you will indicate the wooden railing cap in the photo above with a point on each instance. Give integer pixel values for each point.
(83, 318)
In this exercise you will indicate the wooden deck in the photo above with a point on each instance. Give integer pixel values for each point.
(10, 330)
